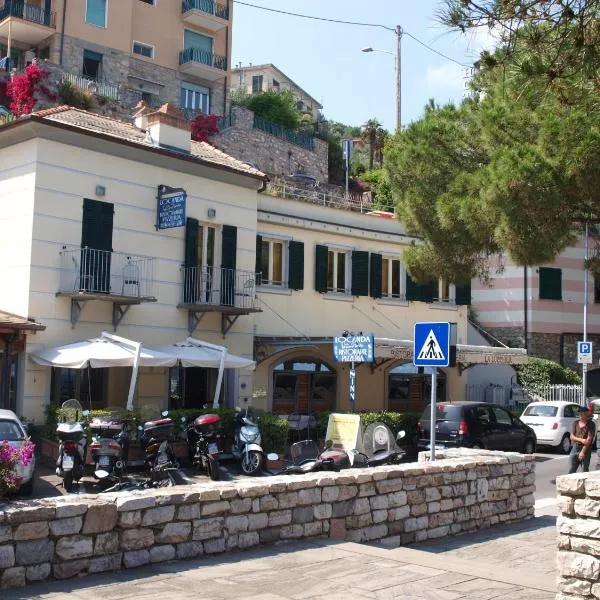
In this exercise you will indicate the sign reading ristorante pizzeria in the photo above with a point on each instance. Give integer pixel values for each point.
(170, 208)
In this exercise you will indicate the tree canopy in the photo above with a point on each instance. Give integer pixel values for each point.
(516, 168)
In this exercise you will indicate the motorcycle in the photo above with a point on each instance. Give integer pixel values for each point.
(72, 444)
(110, 443)
(204, 436)
(246, 443)
(380, 447)
(155, 438)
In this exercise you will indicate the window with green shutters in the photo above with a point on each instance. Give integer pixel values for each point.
(228, 264)
(258, 261)
(296, 265)
(596, 290)
(421, 292)
(321, 261)
(550, 283)
(375, 275)
(463, 294)
(360, 273)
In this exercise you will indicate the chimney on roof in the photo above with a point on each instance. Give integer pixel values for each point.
(169, 128)
(142, 110)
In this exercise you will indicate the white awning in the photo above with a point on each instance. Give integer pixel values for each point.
(196, 353)
(101, 352)
(465, 353)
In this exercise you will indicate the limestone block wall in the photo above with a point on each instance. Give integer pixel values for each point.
(271, 154)
(578, 525)
(78, 535)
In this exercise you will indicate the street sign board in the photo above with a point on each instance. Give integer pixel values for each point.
(584, 353)
(170, 207)
(431, 345)
(353, 386)
(353, 348)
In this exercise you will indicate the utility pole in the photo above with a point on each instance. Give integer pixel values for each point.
(398, 77)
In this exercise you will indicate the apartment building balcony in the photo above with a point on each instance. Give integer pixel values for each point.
(207, 14)
(203, 64)
(28, 23)
(230, 292)
(87, 274)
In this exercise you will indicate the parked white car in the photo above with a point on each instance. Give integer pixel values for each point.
(13, 431)
(552, 422)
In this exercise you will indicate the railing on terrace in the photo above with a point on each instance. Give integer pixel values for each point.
(28, 12)
(300, 139)
(219, 287)
(85, 270)
(223, 123)
(355, 202)
(208, 6)
(563, 392)
(97, 87)
(198, 55)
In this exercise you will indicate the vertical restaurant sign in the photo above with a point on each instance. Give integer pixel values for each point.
(170, 209)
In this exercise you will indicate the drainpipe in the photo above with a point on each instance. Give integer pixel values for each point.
(62, 33)
(225, 80)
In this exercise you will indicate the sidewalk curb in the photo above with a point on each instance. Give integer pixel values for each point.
(520, 577)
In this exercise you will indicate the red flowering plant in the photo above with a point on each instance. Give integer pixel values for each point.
(24, 90)
(204, 127)
(10, 458)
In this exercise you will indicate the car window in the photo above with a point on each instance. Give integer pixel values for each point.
(444, 412)
(572, 411)
(10, 431)
(541, 410)
(482, 414)
(502, 417)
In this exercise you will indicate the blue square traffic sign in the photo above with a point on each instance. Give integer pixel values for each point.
(431, 345)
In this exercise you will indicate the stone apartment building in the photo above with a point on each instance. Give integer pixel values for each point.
(164, 50)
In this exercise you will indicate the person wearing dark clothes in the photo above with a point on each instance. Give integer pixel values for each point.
(582, 437)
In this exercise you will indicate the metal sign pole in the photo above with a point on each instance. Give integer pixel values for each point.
(433, 413)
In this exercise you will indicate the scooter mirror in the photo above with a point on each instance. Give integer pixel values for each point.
(85, 413)
(165, 413)
(272, 456)
(101, 474)
(401, 434)
(183, 419)
(238, 409)
(140, 428)
(328, 444)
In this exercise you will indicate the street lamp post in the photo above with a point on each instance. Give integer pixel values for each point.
(398, 64)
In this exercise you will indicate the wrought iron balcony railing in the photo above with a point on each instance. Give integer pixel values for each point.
(198, 55)
(208, 6)
(28, 12)
(215, 286)
(89, 271)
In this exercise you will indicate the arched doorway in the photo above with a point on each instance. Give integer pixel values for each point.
(409, 387)
(303, 385)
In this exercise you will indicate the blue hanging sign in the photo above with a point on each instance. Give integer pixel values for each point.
(170, 209)
(353, 348)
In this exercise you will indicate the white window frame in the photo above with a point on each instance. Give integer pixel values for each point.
(194, 90)
(347, 270)
(402, 275)
(105, 26)
(270, 239)
(151, 3)
(451, 292)
(150, 46)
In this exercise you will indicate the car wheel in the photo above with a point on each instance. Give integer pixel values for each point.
(565, 444)
(528, 446)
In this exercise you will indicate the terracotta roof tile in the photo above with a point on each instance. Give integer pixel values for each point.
(74, 117)
(15, 322)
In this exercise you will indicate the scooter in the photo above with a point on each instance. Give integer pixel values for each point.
(379, 446)
(72, 444)
(155, 438)
(110, 443)
(204, 436)
(246, 443)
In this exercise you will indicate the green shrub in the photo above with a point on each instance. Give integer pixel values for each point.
(396, 421)
(75, 97)
(274, 433)
(539, 372)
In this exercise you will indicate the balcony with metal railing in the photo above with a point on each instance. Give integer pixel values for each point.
(28, 23)
(231, 292)
(207, 14)
(201, 63)
(88, 274)
(100, 88)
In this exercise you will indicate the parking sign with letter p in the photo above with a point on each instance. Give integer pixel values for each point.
(584, 353)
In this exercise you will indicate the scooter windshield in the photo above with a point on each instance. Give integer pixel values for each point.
(378, 438)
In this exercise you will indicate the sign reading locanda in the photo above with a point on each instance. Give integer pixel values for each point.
(353, 348)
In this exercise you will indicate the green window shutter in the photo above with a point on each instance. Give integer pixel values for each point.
(421, 292)
(258, 262)
(596, 290)
(429, 291)
(376, 260)
(463, 294)
(296, 265)
(191, 242)
(360, 273)
(229, 248)
(550, 283)
(413, 289)
(321, 268)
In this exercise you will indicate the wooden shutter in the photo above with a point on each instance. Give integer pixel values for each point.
(191, 242)
(376, 261)
(550, 283)
(360, 273)
(97, 225)
(422, 292)
(321, 254)
(463, 294)
(296, 265)
(413, 289)
(258, 262)
(228, 264)
(429, 291)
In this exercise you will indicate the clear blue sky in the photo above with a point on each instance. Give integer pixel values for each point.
(325, 58)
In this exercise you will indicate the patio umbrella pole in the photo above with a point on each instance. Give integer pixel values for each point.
(219, 379)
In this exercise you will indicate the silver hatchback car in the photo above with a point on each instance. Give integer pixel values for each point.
(13, 431)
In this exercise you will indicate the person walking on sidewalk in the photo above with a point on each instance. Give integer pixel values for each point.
(582, 438)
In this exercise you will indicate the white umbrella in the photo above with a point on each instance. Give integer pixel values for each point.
(197, 353)
(105, 351)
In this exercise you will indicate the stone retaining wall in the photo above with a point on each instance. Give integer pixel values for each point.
(578, 527)
(76, 535)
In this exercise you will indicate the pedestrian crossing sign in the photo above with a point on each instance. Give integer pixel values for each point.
(431, 345)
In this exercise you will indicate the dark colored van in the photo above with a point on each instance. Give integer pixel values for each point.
(476, 425)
